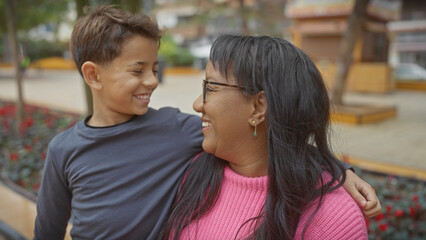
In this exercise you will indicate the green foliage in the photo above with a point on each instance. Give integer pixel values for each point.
(174, 54)
(37, 49)
(31, 13)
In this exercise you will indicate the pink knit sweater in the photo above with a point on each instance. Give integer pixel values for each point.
(242, 198)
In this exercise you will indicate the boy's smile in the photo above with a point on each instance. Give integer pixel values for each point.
(143, 98)
(127, 83)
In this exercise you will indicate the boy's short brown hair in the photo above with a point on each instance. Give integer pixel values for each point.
(100, 35)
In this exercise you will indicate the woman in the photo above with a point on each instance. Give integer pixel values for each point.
(269, 173)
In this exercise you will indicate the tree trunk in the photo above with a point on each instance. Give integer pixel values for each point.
(14, 45)
(80, 4)
(244, 27)
(353, 31)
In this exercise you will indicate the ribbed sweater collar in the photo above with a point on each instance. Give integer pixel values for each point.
(239, 181)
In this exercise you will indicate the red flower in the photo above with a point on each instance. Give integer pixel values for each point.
(29, 122)
(27, 108)
(22, 183)
(399, 213)
(43, 155)
(36, 186)
(388, 208)
(6, 126)
(412, 212)
(14, 157)
(383, 227)
(7, 110)
(415, 198)
(379, 217)
(25, 124)
(29, 148)
(3, 111)
(48, 122)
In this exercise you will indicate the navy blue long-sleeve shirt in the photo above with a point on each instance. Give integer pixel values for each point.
(119, 182)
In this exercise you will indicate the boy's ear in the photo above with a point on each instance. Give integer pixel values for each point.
(260, 106)
(90, 72)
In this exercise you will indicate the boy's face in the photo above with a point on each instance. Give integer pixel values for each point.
(127, 82)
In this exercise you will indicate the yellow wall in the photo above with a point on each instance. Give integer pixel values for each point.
(363, 77)
(53, 63)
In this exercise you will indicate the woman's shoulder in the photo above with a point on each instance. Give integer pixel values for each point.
(339, 217)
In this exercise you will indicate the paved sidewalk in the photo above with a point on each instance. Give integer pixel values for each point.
(400, 141)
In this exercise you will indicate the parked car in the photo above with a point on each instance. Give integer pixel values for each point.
(409, 72)
(201, 51)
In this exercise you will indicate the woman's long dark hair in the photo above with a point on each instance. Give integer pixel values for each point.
(297, 121)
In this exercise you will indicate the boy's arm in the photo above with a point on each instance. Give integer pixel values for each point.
(53, 203)
(363, 194)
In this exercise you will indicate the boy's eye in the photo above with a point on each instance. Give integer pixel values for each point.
(137, 71)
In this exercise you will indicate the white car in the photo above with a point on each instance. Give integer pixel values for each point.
(409, 71)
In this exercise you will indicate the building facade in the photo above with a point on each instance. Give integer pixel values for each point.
(318, 28)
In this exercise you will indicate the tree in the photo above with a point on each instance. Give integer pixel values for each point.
(243, 17)
(31, 13)
(347, 45)
(21, 16)
(80, 5)
(262, 17)
(13, 40)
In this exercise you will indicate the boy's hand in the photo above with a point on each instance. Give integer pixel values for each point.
(363, 194)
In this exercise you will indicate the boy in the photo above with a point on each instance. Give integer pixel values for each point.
(118, 170)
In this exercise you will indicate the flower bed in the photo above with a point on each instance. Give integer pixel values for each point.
(23, 150)
(23, 147)
(404, 207)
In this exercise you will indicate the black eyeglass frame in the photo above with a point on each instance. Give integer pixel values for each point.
(205, 82)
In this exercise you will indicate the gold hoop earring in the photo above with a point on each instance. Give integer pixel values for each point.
(255, 125)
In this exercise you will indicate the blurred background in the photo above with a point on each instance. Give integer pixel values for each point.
(372, 55)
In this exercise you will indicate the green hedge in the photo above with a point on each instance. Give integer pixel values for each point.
(174, 54)
(38, 49)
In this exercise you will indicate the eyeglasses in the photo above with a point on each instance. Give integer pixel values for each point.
(205, 82)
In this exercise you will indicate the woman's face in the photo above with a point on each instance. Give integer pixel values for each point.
(225, 115)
